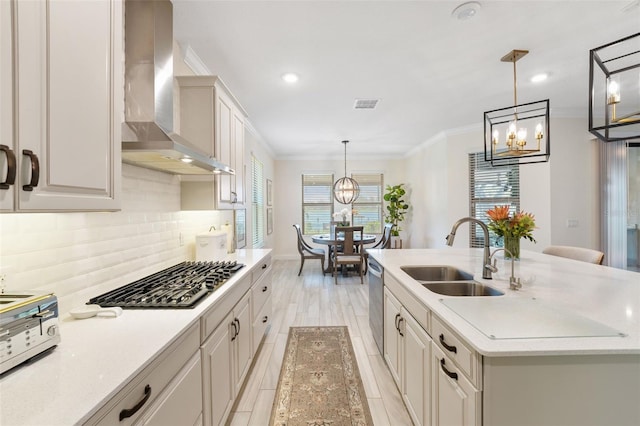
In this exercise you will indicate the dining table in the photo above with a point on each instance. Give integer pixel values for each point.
(332, 242)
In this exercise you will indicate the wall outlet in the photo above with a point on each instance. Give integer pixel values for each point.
(572, 223)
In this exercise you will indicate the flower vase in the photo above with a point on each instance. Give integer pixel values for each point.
(512, 247)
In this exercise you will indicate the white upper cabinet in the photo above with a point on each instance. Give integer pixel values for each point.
(212, 119)
(66, 93)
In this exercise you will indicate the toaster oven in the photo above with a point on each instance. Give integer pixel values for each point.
(28, 327)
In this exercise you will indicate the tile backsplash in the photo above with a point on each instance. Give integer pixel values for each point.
(79, 255)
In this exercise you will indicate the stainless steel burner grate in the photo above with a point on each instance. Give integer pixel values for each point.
(181, 286)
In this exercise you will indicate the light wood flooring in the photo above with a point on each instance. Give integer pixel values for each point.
(314, 299)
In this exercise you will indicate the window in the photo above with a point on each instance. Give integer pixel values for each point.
(317, 203)
(488, 187)
(369, 203)
(257, 202)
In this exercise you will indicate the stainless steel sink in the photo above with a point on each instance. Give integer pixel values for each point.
(461, 288)
(449, 281)
(436, 273)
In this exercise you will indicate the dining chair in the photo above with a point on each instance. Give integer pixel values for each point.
(576, 253)
(352, 251)
(308, 252)
(383, 243)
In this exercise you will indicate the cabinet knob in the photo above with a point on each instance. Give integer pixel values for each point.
(265, 288)
(10, 179)
(35, 170)
(265, 319)
(264, 266)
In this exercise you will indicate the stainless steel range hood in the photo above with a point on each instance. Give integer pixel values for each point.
(148, 139)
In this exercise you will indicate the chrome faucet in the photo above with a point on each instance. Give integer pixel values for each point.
(514, 283)
(486, 262)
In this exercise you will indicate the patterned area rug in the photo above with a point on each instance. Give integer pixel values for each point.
(319, 382)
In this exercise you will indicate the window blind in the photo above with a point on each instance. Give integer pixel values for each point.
(257, 202)
(369, 203)
(489, 187)
(317, 203)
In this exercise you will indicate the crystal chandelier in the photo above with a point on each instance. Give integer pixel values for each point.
(346, 190)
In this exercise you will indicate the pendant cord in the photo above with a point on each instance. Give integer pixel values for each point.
(515, 90)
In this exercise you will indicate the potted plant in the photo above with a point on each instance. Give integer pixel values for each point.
(396, 209)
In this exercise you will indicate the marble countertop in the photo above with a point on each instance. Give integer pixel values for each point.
(97, 357)
(591, 295)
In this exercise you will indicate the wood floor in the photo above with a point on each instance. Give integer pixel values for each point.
(314, 299)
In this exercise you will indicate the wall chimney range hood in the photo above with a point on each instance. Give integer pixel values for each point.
(148, 139)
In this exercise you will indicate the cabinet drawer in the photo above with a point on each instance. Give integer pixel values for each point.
(260, 324)
(260, 292)
(455, 348)
(260, 268)
(415, 308)
(216, 313)
(148, 385)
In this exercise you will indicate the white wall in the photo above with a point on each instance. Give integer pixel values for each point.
(256, 146)
(79, 255)
(288, 192)
(438, 173)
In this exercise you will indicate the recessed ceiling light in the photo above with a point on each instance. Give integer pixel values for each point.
(186, 160)
(290, 77)
(466, 10)
(539, 77)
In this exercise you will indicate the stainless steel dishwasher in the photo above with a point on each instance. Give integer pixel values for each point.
(376, 302)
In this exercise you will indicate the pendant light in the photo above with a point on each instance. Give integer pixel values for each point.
(346, 190)
(525, 128)
(614, 90)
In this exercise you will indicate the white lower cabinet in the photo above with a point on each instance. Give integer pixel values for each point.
(218, 374)
(392, 338)
(416, 372)
(170, 386)
(226, 356)
(181, 402)
(407, 350)
(455, 401)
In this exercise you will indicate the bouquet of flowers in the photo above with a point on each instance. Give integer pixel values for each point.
(344, 215)
(520, 225)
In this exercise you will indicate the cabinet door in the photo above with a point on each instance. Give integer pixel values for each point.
(243, 342)
(238, 142)
(69, 90)
(417, 371)
(180, 403)
(392, 337)
(224, 148)
(455, 402)
(6, 105)
(217, 371)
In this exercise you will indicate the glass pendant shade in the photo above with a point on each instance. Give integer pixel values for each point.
(346, 190)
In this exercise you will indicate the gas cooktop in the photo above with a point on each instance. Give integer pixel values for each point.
(181, 286)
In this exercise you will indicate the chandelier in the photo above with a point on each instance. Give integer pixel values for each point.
(614, 95)
(518, 134)
(346, 190)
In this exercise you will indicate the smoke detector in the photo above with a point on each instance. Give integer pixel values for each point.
(466, 11)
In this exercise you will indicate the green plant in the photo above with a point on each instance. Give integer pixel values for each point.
(397, 207)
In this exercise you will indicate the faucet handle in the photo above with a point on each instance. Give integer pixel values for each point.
(492, 268)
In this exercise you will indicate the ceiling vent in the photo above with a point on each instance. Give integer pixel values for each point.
(366, 103)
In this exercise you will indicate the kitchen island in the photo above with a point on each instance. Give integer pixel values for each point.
(101, 359)
(564, 349)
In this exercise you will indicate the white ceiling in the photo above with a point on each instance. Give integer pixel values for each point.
(430, 71)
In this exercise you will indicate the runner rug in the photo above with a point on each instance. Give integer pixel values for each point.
(319, 381)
